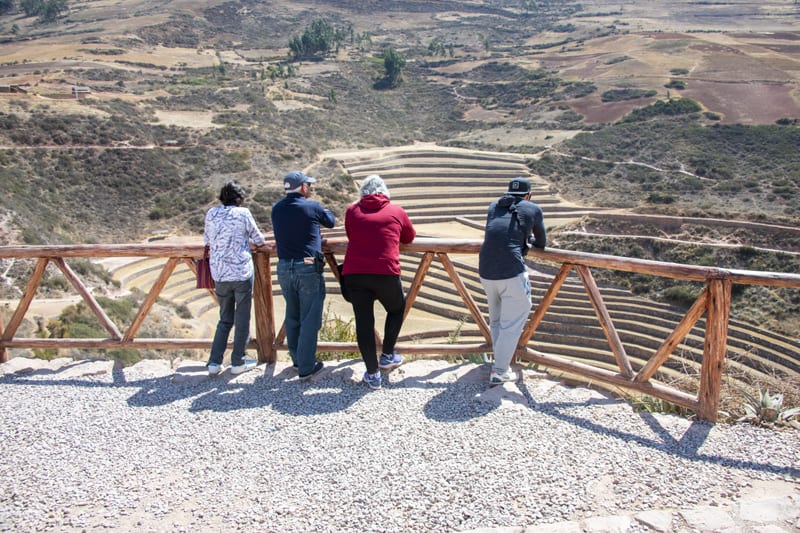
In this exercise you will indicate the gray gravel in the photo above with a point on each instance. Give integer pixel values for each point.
(435, 450)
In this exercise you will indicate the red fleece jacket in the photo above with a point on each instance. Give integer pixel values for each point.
(375, 228)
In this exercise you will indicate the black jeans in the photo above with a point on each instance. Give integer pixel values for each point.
(364, 289)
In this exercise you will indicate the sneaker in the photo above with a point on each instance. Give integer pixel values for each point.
(373, 380)
(247, 364)
(390, 361)
(214, 369)
(317, 367)
(495, 378)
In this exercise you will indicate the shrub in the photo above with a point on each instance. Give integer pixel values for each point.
(660, 198)
(681, 295)
(672, 107)
(334, 329)
(617, 95)
(765, 409)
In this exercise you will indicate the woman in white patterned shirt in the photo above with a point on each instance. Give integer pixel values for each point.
(230, 230)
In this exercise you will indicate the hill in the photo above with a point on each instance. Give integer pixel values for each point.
(175, 98)
(118, 121)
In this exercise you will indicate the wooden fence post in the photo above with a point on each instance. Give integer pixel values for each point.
(264, 309)
(714, 348)
(3, 351)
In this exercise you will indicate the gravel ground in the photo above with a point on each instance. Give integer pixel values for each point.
(151, 448)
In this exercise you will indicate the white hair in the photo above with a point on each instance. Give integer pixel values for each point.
(373, 184)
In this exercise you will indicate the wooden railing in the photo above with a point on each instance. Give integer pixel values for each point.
(714, 302)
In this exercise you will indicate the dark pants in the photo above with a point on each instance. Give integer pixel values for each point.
(235, 300)
(364, 289)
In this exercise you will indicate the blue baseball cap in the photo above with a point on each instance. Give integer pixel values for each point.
(294, 179)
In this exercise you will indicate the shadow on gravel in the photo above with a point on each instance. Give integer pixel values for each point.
(450, 406)
(687, 446)
(284, 393)
(461, 399)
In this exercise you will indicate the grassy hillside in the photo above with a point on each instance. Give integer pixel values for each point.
(674, 108)
(682, 166)
(182, 98)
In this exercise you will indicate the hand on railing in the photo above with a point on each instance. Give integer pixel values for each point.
(268, 246)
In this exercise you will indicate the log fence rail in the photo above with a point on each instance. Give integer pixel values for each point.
(714, 303)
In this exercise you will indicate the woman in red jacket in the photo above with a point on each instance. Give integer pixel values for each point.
(371, 271)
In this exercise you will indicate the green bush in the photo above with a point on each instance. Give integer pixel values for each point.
(335, 329)
(618, 95)
(672, 107)
(681, 295)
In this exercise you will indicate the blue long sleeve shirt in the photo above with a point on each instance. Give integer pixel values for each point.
(296, 222)
(506, 238)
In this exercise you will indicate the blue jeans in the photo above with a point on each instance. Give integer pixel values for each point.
(235, 301)
(303, 290)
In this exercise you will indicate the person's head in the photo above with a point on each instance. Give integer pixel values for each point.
(519, 186)
(297, 181)
(374, 184)
(231, 193)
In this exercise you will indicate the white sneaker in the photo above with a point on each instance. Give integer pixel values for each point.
(214, 369)
(496, 378)
(248, 364)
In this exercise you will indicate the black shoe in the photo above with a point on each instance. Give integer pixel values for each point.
(317, 367)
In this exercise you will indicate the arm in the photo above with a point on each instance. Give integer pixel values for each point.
(253, 233)
(325, 217)
(207, 230)
(407, 233)
(539, 239)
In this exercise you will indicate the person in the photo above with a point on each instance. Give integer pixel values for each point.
(229, 232)
(375, 228)
(296, 222)
(513, 224)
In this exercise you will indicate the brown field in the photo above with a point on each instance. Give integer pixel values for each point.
(742, 57)
(746, 103)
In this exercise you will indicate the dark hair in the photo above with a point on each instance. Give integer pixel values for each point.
(231, 192)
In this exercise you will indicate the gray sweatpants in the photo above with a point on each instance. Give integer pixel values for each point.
(509, 306)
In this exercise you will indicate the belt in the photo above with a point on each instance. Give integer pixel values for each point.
(304, 260)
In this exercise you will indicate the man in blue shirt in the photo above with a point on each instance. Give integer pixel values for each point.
(509, 224)
(296, 222)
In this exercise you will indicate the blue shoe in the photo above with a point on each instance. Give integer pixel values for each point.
(390, 361)
(373, 380)
(317, 367)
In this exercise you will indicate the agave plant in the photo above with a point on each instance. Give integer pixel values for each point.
(767, 409)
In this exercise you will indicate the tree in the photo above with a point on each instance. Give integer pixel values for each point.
(53, 9)
(31, 8)
(6, 6)
(318, 38)
(46, 10)
(395, 64)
